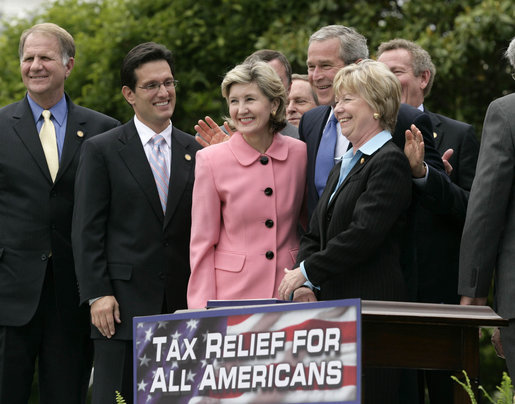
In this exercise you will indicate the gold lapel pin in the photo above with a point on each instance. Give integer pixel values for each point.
(187, 157)
(80, 133)
(435, 135)
(362, 160)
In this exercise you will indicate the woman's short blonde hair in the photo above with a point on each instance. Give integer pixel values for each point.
(268, 82)
(376, 84)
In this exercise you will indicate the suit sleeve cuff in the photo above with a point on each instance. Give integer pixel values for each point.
(91, 301)
(421, 182)
(308, 282)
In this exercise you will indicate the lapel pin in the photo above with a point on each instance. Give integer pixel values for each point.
(435, 135)
(362, 160)
(187, 157)
(80, 133)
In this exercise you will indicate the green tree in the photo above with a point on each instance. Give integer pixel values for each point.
(465, 38)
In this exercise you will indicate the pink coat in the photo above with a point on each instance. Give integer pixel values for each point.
(245, 218)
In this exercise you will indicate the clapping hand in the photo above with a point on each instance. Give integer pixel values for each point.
(210, 133)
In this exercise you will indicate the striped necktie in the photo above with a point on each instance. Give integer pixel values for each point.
(158, 164)
(49, 143)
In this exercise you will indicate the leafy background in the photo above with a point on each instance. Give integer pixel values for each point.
(466, 38)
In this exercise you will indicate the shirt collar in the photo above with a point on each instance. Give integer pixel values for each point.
(372, 145)
(247, 155)
(58, 111)
(145, 133)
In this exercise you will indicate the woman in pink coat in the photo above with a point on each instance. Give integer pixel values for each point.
(248, 195)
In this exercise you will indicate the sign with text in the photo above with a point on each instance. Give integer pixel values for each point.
(278, 353)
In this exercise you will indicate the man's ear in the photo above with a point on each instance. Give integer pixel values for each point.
(425, 76)
(69, 66)
(128, 94)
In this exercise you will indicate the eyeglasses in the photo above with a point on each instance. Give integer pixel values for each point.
(154, 86)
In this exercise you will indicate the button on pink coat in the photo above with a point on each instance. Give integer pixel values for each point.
(243, 235)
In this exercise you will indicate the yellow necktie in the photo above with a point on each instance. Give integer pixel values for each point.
(49, 143)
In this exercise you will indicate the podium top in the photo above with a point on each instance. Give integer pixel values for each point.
(471, 316)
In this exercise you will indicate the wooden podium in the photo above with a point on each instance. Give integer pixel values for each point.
(426, 336)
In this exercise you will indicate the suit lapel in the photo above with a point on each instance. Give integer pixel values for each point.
(323, 203)
(75, 134)
(355, 170)
(437, 129)
(180, 169)
(25, 128)
(134, 157)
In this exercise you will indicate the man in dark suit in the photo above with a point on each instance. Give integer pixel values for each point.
(39, 301)
(489, 234)
(438, 273)
(331, 48)
(131, 223)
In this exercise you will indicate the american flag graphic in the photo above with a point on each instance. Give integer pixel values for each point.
(280, 353)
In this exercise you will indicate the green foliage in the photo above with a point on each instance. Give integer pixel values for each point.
(465, 38)
(467, 386)
(119, 398)
(505, 390)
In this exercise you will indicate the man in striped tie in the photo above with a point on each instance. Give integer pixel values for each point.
(131, 225)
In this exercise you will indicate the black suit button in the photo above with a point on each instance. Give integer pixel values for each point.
(53, 194)
(269, 255)
(161, 275)
(269, 223)
(269, 191)
(43, 257)
(263, 160)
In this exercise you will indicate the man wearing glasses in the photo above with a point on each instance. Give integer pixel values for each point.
(131, 224)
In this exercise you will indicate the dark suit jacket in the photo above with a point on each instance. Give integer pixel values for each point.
(312, 126)
(487, 246)
(439, 196)
(123, 244)
(36, 214)
(438, 273)
(353, 247)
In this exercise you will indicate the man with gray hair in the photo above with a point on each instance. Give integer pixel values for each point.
(488, 240)
(41, 138)
(331, 48)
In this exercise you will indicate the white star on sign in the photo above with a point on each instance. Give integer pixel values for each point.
(142, 385)
(192, 324)
(191, 376)
(144, 360)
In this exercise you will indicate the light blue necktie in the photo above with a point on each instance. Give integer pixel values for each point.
(325, 156)
(348, 162)
(158, 164)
